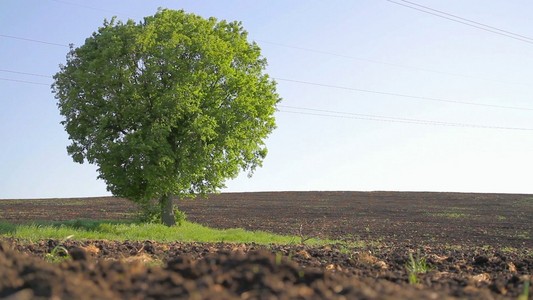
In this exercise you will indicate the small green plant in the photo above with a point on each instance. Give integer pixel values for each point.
(509, 249)
(303, 237)
(152, 214)
(451, 215)
(486, 247)
(522, 235)
(345, 250)
(279, 255)
(59, 253)
(308, 231)
(525, 293)
(416, 266)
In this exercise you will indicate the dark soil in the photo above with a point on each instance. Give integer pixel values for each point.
(443, 218)
(146, 270)
(478, 246)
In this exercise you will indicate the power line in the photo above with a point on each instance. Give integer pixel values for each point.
(356, 58)
(330, 113)
(340, 55)
(32, 40)
(421, 98)
(311, 50)
(350, 57)
(348, 115)
(464, 21)
(367, 117)
(467, 20)
(387, 63)
(436, 12)
(24, 73)
(24, 81)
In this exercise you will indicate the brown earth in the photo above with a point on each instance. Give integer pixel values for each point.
(479, 246)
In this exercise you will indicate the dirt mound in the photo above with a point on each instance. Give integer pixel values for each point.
(149, 270)
(478, 246)
(229, 275)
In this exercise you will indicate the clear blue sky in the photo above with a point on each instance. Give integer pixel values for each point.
(372, 45)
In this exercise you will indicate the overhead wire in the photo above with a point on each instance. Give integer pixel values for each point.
(373, 61)
(316, 51)
(330, 113)
(32, 40)
(380, 118)
(467, 22)
(351, 57)
(24, 81)
(331, 53)
(323, 112)
(24, 73)
(421, 98)
(362, 115)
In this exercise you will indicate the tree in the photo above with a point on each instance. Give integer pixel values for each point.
(168, 107)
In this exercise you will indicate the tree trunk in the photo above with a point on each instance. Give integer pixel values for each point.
(167, 211)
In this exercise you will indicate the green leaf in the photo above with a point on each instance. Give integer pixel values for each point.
(173, 105)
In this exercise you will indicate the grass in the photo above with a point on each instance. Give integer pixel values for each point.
(57, 255)
(416, 266)
(525, 292)
(524, 202)
(522, 235)
(121, 231)
(451, 215)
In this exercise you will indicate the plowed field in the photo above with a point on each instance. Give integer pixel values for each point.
(477, 246)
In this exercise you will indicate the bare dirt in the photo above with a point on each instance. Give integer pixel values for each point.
(478, 246)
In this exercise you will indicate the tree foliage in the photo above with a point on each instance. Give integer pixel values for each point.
(171, 106)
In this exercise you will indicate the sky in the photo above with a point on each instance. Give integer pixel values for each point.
(376, 95)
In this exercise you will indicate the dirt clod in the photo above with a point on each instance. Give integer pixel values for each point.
(470, 253)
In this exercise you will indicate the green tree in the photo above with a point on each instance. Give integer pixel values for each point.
(168, 107)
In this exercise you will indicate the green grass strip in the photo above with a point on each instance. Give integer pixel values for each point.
(121, 231)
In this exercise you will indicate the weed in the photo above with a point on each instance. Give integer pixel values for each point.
(303, 237)
(525, 293)
(7, 227)
(486, 247)
(152, 214)
(524, 202)
(509, 250)
(311, 234)
(416, 266)
(290, 255)
(345, 250)
(188, 232)
(59, 253)
(451, 215)
(278, 258)
(350, 248)
(522, 235)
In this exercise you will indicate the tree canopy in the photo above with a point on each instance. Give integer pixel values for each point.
(173, 105)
